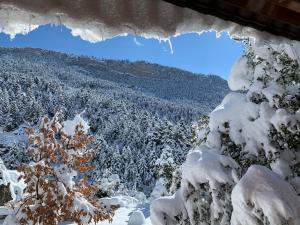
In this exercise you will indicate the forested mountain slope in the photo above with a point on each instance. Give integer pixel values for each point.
(135, 110)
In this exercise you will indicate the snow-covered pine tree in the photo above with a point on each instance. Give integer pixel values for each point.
(165, 167)
(247, 171)
(200, 131)
(54, 193)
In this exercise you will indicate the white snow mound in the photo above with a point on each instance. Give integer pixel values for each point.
(137, 218)
(263, 192)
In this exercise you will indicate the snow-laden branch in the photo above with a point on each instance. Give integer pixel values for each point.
(263, 195)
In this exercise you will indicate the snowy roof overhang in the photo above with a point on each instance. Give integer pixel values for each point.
(97, 20)
(279, 17)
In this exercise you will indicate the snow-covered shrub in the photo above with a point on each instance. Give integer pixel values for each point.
(176, 180)
(200, 131)
(108, 185)
(53, 192)
(247, 170)
(165, 165)
(167, 173)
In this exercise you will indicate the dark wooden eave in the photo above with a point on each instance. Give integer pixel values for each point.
(279, 17)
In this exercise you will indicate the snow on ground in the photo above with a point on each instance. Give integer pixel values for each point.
(10, 138)
(11, 178)
(131, 212)
(122, 216)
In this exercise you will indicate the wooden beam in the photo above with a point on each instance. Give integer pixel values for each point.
(278, 17)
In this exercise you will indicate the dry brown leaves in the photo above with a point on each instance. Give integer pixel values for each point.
(48, 199)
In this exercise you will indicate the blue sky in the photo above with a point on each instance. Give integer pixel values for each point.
(205, 54)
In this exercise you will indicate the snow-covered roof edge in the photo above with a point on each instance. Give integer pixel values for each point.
(100, 20)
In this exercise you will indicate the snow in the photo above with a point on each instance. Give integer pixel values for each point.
(131, 212)
(137, 218)
(260, 194)
(122, 201)
(9, 139)
(16, 186)
(165, 157)
(236, 109)
(164, 210)
(11, 177)
(65, 175)
(296, 184)
(261, 190)
(10, 220)
(69, 126)
(240, 78)
(256, 124)
(204, 165)
(242, 73)
(159, 189)
(99, 20)
(109, 184)
(122, 217)
(241, 113)
(5, 211)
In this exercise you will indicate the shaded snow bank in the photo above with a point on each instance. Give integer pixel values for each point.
(137, 218)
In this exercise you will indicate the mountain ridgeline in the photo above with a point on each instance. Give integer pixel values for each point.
(135, 109)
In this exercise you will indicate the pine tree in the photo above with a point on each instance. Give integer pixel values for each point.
(246, 169)
(200, 131)
(165, 167)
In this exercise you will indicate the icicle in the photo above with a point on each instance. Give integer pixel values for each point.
(29, 25)
(218, 34)
(100, 28)
(59, 15)
(170, 45)
(11, 36)
(7, 12)
(131, 28)
(137, 42)
(102, 36)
